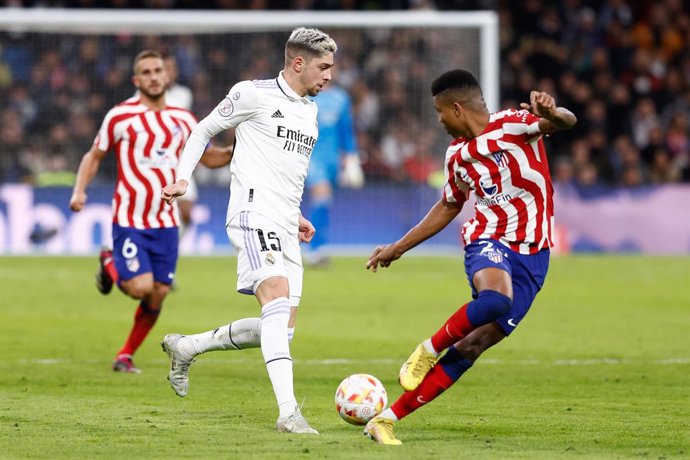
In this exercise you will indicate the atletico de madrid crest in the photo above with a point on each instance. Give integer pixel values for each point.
(133, 264)
(494, 256)
(501, 159)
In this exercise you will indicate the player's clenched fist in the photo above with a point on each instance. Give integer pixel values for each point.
(306, 230)
(170, 192)
(540, 104)
(77, 202)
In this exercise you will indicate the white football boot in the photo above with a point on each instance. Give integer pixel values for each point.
(294, 423)
(179, 364)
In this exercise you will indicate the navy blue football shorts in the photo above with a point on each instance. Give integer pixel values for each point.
(528, 273)
(136, 252)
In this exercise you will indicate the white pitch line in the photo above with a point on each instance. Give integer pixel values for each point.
(385, 361)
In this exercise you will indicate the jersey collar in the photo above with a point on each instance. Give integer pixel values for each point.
(285, 88)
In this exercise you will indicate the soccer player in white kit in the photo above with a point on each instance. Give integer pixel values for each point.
(276, 130)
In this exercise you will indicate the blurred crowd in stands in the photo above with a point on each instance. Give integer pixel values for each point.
(622, 66)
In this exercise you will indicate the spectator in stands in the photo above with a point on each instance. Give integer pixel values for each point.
(606, 60)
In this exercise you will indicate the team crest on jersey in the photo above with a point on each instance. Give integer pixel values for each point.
(270, 260)
(133, 264)
(501, 159)
(226, 107)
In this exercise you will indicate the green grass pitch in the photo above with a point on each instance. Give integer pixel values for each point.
(600, 368)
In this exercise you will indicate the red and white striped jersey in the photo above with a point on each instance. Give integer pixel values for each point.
(507, 168)
(147, 145)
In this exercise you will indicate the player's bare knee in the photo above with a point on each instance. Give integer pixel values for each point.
(161, 290)
(137, 288)
(272, 288)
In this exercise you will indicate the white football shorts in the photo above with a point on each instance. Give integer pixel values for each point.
(265, 249)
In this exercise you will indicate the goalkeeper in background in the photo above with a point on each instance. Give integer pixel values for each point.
(334, 160)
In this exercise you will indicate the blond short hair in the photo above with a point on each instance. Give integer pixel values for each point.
(310, 43)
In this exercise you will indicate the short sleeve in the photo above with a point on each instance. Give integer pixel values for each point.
(106, 137)
(529, 122)
(454, 189)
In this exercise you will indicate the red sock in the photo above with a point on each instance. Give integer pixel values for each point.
(109, 265)
(144, 319)
(434, 383)
(457, 327)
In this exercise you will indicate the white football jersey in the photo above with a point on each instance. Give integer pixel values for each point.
(276, 131)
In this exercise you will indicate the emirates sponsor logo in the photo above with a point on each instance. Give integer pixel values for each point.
(296, 141)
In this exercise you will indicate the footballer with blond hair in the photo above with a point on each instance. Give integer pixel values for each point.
(275, 130)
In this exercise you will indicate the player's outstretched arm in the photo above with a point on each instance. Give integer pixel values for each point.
(438, 217)
(88, 168)
(553, 118)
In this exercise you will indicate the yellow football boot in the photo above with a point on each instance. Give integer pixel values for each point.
(380, 430)
(416, 367)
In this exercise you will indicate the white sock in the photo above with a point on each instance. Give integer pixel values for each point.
(291, 334)
(276, 351)
(429, 347)
(238, 335)
(389, 414)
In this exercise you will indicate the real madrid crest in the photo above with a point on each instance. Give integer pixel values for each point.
(270, 260)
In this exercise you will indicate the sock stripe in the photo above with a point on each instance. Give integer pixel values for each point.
(268, 315)
(278, 359)
(280, 302)
(230, 337)
(278, 306)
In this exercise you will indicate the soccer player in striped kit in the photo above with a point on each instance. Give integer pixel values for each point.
(147, 137)
(501, 158)
(275, 131)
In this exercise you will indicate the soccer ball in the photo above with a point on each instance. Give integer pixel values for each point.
(359, 398)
